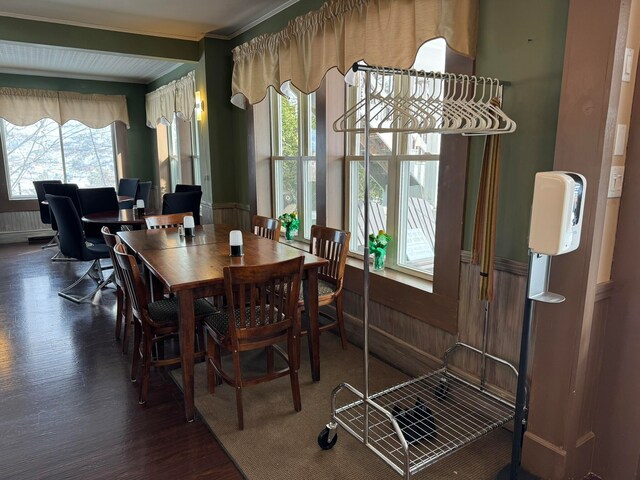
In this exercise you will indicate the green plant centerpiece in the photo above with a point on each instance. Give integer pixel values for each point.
(291, 223)
(378, 246)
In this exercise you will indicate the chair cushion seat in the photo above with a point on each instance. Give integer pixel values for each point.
(166, 311)
(324, 288)
(98, 250)
(219, 321)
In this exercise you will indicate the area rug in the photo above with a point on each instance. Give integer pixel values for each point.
(279, 443)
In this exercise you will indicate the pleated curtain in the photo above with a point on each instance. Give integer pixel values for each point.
(342, 32)
(177, 97)
(23, 106)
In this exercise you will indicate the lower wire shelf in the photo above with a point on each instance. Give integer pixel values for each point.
(412, 425)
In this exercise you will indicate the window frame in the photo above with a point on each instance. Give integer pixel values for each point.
(7, 180)
(306, 153)
(395, 158)
(439, 306)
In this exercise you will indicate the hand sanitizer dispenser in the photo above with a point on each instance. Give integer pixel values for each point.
(556, 213)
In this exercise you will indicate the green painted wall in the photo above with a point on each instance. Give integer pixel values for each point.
(139, 136)
(43, 33)
(174, 74)
(226, 146)
(521, 42)
(239, 116)
(279, 21)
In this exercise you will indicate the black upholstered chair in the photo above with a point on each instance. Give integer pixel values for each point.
(182, 188)
(45, 213)
(95, 200)
(182, 202)
(143, 192)
(128, 187)
(72, 245)
(69, 190)
(63, 190)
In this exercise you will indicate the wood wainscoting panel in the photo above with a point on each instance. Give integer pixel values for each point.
(415, 333)
(236, 215)
(504, 324)
(410, 334)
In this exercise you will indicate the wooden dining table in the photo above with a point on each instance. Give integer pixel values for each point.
(192, 267)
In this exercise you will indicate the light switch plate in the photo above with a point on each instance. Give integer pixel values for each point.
(615, 182)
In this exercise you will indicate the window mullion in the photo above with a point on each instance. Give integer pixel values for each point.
(114, 146)
(64, 161)
(302, 146)
(392, 206)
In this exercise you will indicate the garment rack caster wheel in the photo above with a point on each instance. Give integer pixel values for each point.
(328, 436)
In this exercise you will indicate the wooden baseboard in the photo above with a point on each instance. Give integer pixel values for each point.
(543, 458)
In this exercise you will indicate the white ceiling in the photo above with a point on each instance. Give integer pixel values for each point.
(184, 19)
(48, 61)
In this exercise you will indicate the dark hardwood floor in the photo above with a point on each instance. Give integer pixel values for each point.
(67, 407)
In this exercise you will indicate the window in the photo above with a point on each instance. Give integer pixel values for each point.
(178, 153)
(293, 156)
(72, 152)
(403, 181)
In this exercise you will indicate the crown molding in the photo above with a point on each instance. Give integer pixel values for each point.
(256, 22)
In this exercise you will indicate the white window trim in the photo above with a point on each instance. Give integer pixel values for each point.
(304, 145)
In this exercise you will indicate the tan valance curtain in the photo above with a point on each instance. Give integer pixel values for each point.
(177, 97)
(342, 32)
(22, 106)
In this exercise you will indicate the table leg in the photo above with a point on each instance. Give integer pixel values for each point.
(155, 286)
(186, 332)
(310, 296)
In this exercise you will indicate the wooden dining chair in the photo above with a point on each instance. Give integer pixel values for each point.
(332, 245)
(123, 307)
(266, 227)
(153, 322)
(170, 220)
(252, 320)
